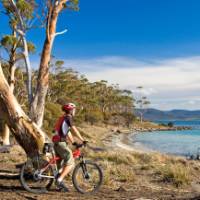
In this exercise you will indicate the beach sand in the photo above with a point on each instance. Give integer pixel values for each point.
(123, 141)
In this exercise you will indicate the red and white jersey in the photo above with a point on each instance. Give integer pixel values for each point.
(63, 125)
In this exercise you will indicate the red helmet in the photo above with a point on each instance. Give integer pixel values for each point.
(68, 106)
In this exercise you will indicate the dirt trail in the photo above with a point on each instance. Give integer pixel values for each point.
(10, 188)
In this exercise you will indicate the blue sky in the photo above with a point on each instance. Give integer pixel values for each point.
(135, 38)
(139, 28)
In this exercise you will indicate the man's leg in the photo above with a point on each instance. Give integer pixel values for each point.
(65, 171)
(68, 163)
(66, 154)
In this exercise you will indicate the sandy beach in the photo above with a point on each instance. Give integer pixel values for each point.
(123, 141)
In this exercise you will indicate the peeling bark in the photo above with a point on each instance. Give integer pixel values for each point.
(26, 132)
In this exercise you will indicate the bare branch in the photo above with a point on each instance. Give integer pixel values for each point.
(20, 32)
(62, 32)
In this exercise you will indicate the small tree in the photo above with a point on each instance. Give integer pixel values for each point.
(142, 102)
(170, 124)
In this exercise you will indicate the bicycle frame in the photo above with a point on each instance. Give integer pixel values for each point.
(53, 161)
(39, 178)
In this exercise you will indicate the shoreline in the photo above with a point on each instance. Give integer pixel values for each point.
(122, 140)
(116, 138)
(163, 128)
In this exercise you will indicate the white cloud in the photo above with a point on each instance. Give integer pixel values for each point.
(169, 83)
(191, 102)
(144, 91)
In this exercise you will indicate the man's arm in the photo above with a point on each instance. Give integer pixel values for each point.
(75, 130)
(70, 137)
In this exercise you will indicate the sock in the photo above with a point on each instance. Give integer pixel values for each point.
(59, 179)
(60, 170)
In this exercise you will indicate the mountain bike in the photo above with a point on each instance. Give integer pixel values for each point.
(38, 174)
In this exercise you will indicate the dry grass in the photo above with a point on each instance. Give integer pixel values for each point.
(121, 166)
(118, 167)
(114, 174)
(177, 174)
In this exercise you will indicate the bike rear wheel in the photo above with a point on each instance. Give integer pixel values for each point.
(87, 177)
(32, 182)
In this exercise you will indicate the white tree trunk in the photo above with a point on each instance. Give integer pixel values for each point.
(26, 132)
(38, 104)
(21, 31)
(6, 135)
(28, 70)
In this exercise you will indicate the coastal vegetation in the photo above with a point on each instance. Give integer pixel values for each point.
(142, 102)
(97, 103)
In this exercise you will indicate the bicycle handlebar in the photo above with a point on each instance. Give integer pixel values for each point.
(80, 145)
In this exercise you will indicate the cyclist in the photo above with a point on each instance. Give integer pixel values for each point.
(64, 129)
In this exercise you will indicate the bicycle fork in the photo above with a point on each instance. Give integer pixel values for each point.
(85, 171)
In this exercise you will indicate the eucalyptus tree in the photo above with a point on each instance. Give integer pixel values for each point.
(142, 102)
(25, 130)
(53, 9)
(20, 15)
(16, 45)
(98, 102)
(9, 43)
(13, 45)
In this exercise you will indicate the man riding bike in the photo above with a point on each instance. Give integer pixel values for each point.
(64, 129)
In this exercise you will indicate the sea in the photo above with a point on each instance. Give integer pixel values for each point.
(183, 143)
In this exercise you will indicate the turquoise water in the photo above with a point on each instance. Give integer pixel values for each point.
(171, 142)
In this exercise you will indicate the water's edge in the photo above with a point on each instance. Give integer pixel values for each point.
(181, 143)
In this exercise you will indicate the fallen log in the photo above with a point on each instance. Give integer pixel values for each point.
(9, 175)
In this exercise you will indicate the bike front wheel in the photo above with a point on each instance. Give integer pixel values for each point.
(87, 177)
(31, 180)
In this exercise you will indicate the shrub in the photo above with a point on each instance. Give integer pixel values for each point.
(170, 124)
(176, 174)
(115, 157)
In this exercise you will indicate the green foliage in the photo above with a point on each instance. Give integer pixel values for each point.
(170, 124)
(26, 8)
(72, 5)
(93, 116)
(7, 6)
(8, 41)
(96, 102)
(31, 47)
(52, 113)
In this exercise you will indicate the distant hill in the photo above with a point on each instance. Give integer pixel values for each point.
(154, 114)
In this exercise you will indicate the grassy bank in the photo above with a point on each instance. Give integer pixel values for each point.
(127, 168)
